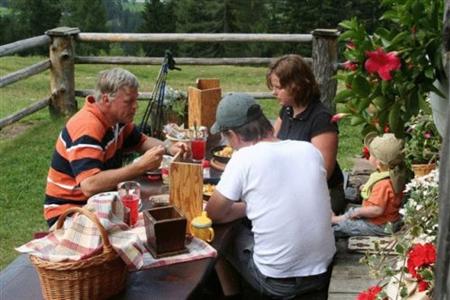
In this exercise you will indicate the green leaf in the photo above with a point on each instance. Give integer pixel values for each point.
(363, 104)
(347, 35)
(356, 120)
(361, 86)
(403, 292)
(383, 32)
(399, 37)
(383, 116)
(395, 121)
(429, 72)
(417, 9)
(343, 95)
(399, 248)
(427, 274)
(381, 102)
(368, 128)
(347, 24)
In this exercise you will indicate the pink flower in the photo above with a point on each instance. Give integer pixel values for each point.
(350, 66)
(369, 294)
(382, 63)
(350, 45)
(427, 135)
(337, 117)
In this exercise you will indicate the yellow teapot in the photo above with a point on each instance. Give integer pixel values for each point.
(201, 227)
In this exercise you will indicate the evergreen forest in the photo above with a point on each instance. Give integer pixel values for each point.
(20, 19)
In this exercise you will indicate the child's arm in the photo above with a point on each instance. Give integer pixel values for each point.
(367, 212)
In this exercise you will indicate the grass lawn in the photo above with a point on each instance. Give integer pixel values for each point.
(25, 156)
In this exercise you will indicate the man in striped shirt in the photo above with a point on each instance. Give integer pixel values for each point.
(88, 154)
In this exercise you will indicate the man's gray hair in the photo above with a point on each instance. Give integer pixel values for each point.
(110, 81)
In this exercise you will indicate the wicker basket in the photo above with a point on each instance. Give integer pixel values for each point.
(97, 277)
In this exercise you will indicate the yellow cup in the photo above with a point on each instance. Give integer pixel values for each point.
(201, 227)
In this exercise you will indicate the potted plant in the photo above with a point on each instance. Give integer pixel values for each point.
(408, 271)
(423, 144)
(175, 102)
(389, 73)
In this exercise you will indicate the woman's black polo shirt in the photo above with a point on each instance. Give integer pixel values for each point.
(314, 120)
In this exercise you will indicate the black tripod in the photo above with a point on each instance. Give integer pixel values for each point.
(155, 106)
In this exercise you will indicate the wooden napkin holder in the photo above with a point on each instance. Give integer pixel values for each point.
(203, 101)
(186, 188)
(166, 231)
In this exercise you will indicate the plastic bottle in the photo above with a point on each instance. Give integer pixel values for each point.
(206, 169)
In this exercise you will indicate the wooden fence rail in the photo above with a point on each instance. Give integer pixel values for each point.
(147, 95)
(133, 60)
(62, 56)
(25, 73)
(24, 45)
(193, 37)
(38, 105)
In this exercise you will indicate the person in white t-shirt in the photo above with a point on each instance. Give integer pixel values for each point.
(281, 187)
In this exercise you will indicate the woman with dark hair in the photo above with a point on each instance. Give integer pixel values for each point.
(303, 117)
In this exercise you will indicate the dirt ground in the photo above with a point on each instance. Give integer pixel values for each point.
(15, 129)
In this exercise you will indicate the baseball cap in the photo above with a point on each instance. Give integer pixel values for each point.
(386, 148)
(235, 110)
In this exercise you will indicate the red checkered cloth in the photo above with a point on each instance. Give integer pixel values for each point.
(80, 238)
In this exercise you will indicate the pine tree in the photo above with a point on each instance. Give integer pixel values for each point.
(33, 18)
(158, 17)
(89, 16)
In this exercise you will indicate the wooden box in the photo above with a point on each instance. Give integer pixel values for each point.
(166, 231)
(202, 102)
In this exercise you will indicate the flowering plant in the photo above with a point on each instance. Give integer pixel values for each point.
(423, 140)
(411, 269)
(174, 102)
(389, 73)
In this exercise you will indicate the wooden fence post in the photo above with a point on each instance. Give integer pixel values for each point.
(62, 71)
(324, 57)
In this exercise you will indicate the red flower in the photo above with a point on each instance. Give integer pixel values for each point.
(369, 294)
(350, 66)
(337, 117)
(422, 285)
(365, 152)
(382, 63)
(386, 129)
(420, 255)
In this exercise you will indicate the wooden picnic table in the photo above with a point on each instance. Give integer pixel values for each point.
(19, 280)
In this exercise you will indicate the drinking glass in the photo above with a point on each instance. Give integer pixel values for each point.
(198, 146)
(130, 195)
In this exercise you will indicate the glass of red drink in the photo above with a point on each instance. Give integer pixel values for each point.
(198, 147)
(130, 195)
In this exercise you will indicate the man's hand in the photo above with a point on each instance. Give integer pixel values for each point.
(151, 159)
(180, 147)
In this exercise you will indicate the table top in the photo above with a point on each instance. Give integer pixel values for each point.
(175, 281)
